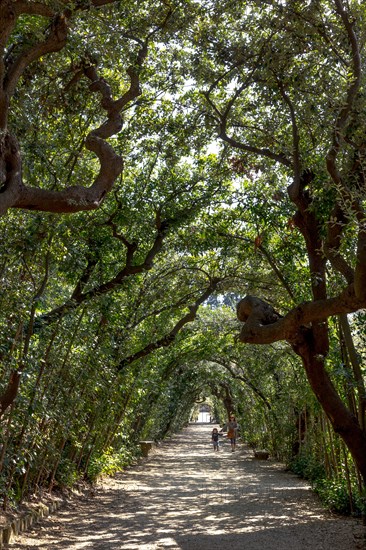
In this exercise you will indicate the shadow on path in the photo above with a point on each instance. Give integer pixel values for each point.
(189, 497)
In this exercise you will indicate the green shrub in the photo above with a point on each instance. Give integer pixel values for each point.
(307, 467)
(109, 463)
(66, 474)
(334, 494)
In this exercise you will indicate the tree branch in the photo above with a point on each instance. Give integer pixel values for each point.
(78, 296)
(55, 41)
(14, 194)
(170, 337)
(263, 325)
(223, 117)
(263, 152)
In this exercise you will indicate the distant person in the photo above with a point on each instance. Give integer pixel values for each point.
(232, 431)
(215, 439)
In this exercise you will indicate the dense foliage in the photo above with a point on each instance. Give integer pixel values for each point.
(158, 162)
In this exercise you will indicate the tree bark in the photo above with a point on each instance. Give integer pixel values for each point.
(343, 421)
(7, 398)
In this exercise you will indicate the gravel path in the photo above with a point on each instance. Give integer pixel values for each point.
(188, 497)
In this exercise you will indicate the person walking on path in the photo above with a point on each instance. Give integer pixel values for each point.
(215, 439)
(232, 432)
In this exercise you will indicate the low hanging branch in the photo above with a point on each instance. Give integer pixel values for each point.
(263, 325)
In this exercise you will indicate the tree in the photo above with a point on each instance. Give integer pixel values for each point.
(288, 97)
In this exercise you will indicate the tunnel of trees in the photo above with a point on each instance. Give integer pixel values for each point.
(182, 202)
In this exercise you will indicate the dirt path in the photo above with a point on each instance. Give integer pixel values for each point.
(188, 497)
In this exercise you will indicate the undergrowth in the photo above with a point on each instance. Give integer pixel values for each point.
(335, 494)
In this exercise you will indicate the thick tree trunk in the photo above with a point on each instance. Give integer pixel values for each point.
(343, 421)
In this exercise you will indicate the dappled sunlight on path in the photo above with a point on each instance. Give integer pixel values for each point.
(189, 497)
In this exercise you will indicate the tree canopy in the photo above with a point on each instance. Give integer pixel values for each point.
(166, 167)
